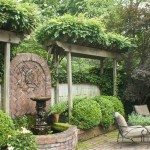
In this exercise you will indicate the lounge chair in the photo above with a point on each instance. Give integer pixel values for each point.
(142, 110)
(128, 132)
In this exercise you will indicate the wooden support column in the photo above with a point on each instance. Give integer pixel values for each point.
(115, 77)
(6, 77)
(101, 66)
(70, 103)
(56, 89)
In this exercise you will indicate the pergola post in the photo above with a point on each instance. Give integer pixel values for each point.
(6, 77)
(114, 77)
(101, 66)
(69, 69)
(57, 80)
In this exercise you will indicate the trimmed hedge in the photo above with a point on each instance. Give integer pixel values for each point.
(82, 31)
(17, 17)
(117, 104)
(86, 114)
(107, 110)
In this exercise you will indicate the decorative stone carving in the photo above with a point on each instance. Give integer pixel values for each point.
(29, 77)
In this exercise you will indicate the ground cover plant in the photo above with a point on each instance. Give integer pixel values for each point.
(136, 119)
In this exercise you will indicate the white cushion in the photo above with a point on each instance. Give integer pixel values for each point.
(135, 132)
(121, 121)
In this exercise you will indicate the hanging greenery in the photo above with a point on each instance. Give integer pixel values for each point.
(17, 17)
(82, 31)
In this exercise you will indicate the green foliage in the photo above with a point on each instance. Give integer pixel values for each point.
(107, 110)
(22, 140)
(25, 121)
(135, 119)
(58, 108)
(17, 17)
(87, 74)
(117, 104)
(82, 31)
(86, 114)
(6, 128)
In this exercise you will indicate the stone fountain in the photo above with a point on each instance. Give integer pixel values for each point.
(41, 126)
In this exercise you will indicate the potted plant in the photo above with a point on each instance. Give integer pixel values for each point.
(57, 109)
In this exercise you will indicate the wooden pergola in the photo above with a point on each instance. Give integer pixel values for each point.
(7, 38)
(72, 50)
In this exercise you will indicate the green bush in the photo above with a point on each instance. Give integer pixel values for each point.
(118, 106)
(86, 114)
(58, 108)
(22, 140)
(107, 110)
(26, 121)
(6, 128)
(17, 17)
(135, 119)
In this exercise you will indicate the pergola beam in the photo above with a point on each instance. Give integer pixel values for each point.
(87, 51)
(9, 37)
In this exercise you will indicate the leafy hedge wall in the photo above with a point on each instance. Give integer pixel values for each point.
(82, 31)
(18, 17)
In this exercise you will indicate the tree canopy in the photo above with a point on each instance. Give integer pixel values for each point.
(17, 17)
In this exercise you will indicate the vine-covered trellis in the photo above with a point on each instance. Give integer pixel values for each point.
(81, 37)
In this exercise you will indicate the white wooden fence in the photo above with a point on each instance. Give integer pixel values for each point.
(78, 90)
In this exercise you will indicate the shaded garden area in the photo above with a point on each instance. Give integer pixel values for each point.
(102, 43)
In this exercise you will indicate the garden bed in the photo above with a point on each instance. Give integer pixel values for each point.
(65, 140)
(87, 134)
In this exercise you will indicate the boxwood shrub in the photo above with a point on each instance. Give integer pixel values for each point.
(6, 128)
(107, 110)
(117, 103)
(86, 114)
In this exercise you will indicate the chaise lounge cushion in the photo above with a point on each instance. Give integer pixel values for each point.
(129, 131)
(135, 131)
(121, 121)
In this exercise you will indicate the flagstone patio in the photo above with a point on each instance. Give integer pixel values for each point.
(108, 142)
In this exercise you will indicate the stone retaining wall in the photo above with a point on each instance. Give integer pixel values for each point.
(66, 140)
(88, 134)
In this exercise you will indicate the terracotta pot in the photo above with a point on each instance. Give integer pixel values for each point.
(55, 118)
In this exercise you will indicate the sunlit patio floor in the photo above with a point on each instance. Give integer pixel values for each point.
(108, 142)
